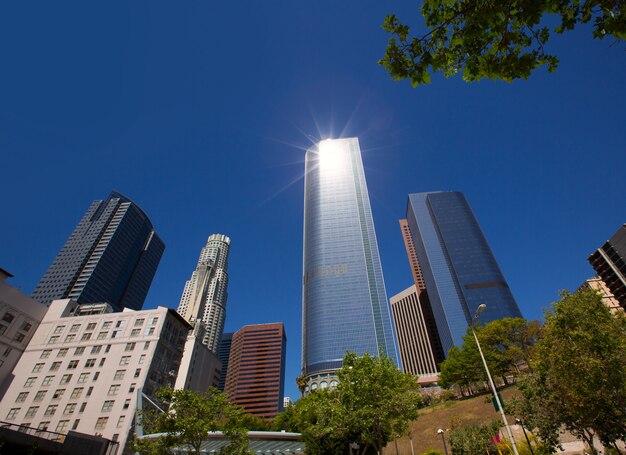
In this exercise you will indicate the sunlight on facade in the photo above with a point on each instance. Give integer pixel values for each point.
(330, 156)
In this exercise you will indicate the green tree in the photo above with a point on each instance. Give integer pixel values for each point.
(464, 367)
(373, 403)
(458, 369)
(493, 39)
(255, 423)
(301, 382)
(286, 420)
(190, 417)
(506, 343)
(510, 341)
(579, 372)
(379, 400)
(321, 420)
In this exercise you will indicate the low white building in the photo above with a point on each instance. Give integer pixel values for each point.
(84, 367)
(19, 318)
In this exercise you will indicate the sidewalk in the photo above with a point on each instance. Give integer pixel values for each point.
(571, 445)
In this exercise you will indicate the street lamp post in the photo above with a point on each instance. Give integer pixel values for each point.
(482, 307)
(519, 422)
(440, 431)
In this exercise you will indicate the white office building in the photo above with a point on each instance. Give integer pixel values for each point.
(20, 316)
(85, 365)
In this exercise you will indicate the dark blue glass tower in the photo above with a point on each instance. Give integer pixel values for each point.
(344, 300)
(223, 353)
(111, 257)
(459, 269)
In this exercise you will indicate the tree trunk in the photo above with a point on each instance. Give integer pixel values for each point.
(588, 439)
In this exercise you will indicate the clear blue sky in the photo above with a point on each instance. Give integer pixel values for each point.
(200, 112)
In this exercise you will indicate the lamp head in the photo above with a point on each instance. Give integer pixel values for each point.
(482, 307)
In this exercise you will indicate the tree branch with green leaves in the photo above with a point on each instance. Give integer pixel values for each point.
(190, 417)
(494, 39)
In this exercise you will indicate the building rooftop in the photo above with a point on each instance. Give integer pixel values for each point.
(266, 442)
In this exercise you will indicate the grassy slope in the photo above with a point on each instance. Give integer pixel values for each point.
(439, 416)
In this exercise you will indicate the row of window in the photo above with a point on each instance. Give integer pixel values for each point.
(94, 350)
(40, 395)
(9, 317)
(106, 325)
(101, 335)
(83, 377)
(63, 425)
(78, 391)
(19, 337)
(70, 408)
(322, 385)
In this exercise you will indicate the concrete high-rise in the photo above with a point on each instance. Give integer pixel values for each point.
(111, 257)
(256, 369)
(344, 302)
(414, 344)
(459, 269)
(609, 262)
(204, 296)
(433, 343)
(601, 288)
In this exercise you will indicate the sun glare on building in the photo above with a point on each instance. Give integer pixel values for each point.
(330, 156)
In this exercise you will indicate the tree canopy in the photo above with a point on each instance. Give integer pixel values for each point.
(190, 417)
(507, 343)
(578, 377)
(373, 403)
(493, 39)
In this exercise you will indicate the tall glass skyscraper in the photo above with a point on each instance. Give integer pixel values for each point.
(344, 303)
(111, 257)
(458, 267)
(204, 296)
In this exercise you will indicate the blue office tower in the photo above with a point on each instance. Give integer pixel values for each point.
(111, 257)
(223, 354)
(459, 269)
(344, 303)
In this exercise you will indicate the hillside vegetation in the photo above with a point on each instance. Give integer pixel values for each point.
(424, 429)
